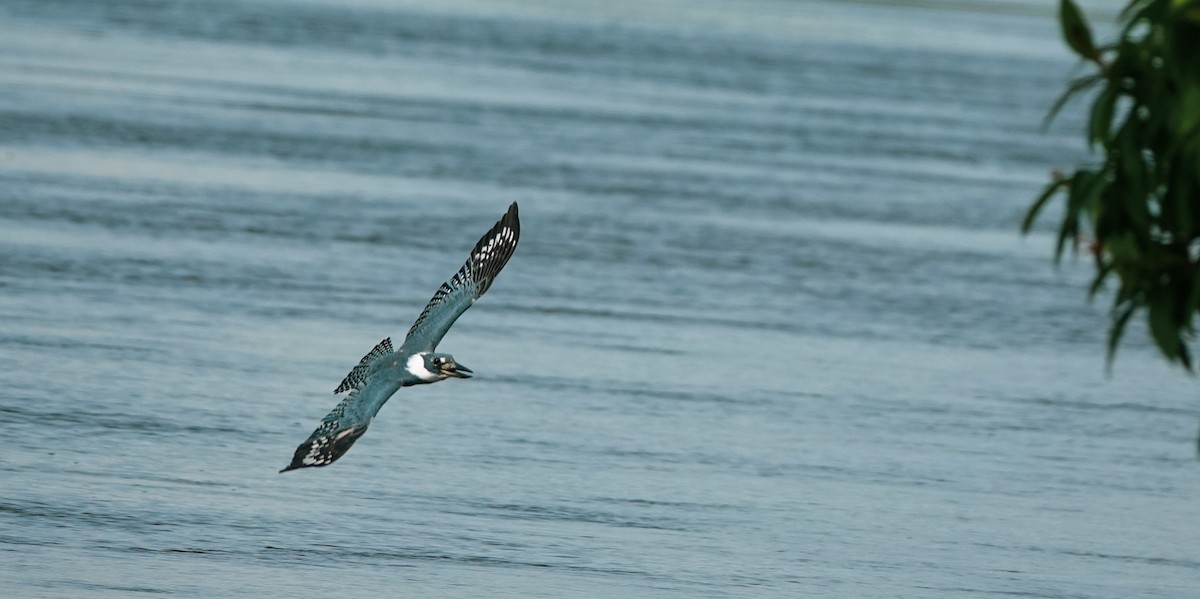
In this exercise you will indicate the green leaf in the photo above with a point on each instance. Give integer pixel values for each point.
(1121, 314)
(1075, 30)
(1141, 202)
(1133, 10)
(1085, 189)
(1124, 248)
(1102, 116)
(1178, 209)
(1075, 87)
(1131, 171)
(1102, 272)
(1188, 10)
(1189, 104)
(1069, 229)
(1040, 202)
(1164, 326)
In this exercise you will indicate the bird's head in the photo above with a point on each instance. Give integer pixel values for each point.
(445, 366)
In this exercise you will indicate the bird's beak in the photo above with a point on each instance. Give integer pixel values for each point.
(457, 370)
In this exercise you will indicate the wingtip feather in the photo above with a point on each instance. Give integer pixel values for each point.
(511, 217)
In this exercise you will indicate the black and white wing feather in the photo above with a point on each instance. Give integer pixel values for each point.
(344, 424)
(471, 281)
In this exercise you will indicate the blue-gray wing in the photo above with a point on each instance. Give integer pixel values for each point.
(345, 423)
(471, 281)
(359, 373)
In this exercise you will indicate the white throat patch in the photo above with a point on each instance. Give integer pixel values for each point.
(416, 367)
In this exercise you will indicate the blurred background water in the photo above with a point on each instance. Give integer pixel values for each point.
(770, 331)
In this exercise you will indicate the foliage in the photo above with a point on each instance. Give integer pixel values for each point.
(1139, 208)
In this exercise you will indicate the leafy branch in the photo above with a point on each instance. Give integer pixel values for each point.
(1138, 210)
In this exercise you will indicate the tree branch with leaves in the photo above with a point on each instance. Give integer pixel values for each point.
(1138, 208)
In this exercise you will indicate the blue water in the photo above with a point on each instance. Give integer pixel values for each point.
(770, 331)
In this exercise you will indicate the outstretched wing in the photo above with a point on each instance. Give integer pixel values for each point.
(345, 423)
(359, 373)
(467, 285)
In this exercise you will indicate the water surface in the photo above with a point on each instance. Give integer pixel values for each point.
(770, 330)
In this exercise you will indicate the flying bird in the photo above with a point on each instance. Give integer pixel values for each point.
(383, 371)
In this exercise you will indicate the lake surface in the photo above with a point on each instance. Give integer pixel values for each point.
(770, 331)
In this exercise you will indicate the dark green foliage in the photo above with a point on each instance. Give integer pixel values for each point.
(1138, 210)
(1076, 31)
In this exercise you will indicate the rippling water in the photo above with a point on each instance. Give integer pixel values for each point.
(770, 331)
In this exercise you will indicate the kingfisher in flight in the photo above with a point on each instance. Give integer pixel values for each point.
(383, 371)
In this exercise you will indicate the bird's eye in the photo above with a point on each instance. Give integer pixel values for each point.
(439, 360)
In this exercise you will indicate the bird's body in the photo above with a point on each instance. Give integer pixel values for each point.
(383, 371)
